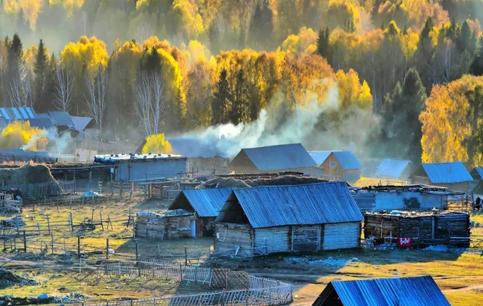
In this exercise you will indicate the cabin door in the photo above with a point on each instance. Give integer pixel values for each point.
(193, 228)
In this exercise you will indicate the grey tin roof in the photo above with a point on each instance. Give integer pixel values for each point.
(80, 123)
(415, 291)
(392, 168)
(286, 156)
(447, 173)
(268, 206)
(60, 118)
(346, 159)
(205, 202)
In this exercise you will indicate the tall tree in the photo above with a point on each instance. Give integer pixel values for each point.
(221, 100)
(323, 44)
(40, 94)
(477, 64)
(400, 117)
(424, 56)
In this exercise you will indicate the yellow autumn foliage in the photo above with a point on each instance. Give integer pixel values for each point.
(30, 9)
(305, 42)
(21, 135)
(445, 122)
(88, 52)
(69, 5)
(352, 91)
(156, 143)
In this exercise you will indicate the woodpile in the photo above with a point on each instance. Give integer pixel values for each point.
(424, 228)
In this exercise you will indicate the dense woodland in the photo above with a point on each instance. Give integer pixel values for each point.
(408, 73)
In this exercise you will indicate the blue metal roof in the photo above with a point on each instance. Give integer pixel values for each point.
(60, 118)
(80, 123)
(346, 159)
(17, 113)
(392, 168)
(415, 291)
(319, 156)
(205, 202)
(447, 173)
(286, 156)
(479, 171)
(268, 206)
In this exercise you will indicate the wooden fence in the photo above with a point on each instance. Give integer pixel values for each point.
(251, 290)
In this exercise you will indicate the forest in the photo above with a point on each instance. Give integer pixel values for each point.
(397, 78)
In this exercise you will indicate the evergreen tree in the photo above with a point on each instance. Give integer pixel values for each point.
(323, 44)
(41, 70)
(424, 56)
(477, 64)
(402, 129)
(221, 100)
(14, 57)
(261, 27)
(240, 108)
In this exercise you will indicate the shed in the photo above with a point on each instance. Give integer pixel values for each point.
(205, 204)
(422, 228)
(396, 169)
(286, 157)
(288, 218)
(477, 191)
(144, 167)
(338, 165)
(453, 175)
(173, 224)
(414, 291)
(412, 197)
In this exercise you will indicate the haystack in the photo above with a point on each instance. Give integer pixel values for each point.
(35, 182)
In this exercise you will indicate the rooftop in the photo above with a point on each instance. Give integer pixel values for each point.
(346, 159)
(447, 173)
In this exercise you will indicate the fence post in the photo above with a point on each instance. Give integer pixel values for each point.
(52, 241)
(78, 247)
(48, 223)
(24, 242)
(185, 256)
(137, 252)
(107, 248)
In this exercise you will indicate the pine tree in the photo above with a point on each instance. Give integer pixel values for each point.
(477, 64)
(221, 100)
(240, 108)
(424, 56)
(41, 70)
(323, 44)
(402, 128)
(14, 57)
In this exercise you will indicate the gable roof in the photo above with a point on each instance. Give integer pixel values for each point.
(447, 173)
(479, 171)
(17, 113)
(268, 206)
(61, 118)
(415, 291)
(205, 202)
(80, 123)
(392, 168)
(286, 156)
(346, 159)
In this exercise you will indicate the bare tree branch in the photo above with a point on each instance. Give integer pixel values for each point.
(63, 89)
(150, 102)
(96, 93)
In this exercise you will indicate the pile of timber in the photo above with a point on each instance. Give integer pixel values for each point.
(424, 228)
(251, 180)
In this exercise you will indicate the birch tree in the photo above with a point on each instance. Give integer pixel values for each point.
(96, 93)
(63, 89)
(150, 101)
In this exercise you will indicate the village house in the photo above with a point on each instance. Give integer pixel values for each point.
(278, 158)
(452, 175)
(294, 218)
(410, 197)
(144, 168)
(394, 169)
(205, 204)
(172, 224)
(338, 165)
(419, 228)
(477, 191)
(415, 291)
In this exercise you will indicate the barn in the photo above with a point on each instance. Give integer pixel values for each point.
(294, 218)
(452, 175)
(278, 158)
(416, 291)
(138, 168)
(338, 165)
(410, 197)
(205, 204)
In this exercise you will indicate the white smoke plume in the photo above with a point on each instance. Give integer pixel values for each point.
(271, 128)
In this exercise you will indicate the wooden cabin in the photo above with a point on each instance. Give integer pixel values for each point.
(174, 224)
(278, 158)
(452, 175)
(205, 204)
(295, 218)
(338, 165)
(415, 291)
(422, 228)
